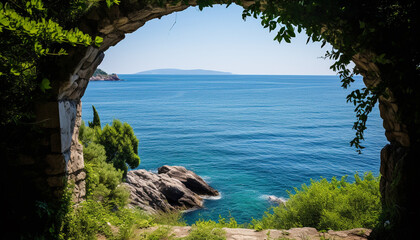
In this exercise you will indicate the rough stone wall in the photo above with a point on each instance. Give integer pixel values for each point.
(75, 166)
(395, 131)
(398, 161)
(61, 120)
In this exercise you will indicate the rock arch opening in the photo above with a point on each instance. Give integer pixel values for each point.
(179, 96)
(60, 113)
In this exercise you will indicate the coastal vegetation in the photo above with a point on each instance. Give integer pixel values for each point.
(32, 31)
(324, 205)
(35, 34)
(96, 120)
(116, 143)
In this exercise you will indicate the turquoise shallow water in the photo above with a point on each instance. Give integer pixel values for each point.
(248, 136)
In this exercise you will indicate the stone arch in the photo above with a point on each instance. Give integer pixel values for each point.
(73, 72)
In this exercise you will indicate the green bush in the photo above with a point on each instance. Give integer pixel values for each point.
(92, 218)
(161, 233)
(121, 145)
(232, 223)
(337, 205)
(104, 212)
(119, 142)
(103, 181)
(206, 230)
(174, 218)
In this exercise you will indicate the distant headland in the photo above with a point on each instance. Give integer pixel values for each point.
(174, 71)
(100, 75)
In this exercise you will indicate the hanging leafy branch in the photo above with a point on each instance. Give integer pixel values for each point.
(30, 31)
(347, 27)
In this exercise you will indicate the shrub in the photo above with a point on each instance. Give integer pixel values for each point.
(104, 212)
(206, 230)
(92, 218)
(121, 145)
(173, 218)
(337, 205)
(161, 233)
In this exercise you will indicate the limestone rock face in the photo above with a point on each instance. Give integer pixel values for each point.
(164, 192)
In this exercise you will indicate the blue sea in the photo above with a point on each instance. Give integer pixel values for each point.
(248, 136)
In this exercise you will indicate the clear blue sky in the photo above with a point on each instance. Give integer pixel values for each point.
(215, 39)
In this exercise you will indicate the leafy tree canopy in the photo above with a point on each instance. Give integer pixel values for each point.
(121, 145)
(118, 140)
(30, 32)
(99, 71)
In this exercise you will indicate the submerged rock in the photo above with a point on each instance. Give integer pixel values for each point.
(276, 200)
(172, 188)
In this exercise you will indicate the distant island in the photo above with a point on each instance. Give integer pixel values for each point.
(173, 71)
(100, 75)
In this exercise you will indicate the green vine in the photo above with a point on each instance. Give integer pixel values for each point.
(31, 31)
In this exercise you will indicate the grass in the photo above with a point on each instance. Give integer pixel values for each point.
(206, 230)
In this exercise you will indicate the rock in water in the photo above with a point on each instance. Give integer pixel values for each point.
(191, 180)
(173, 188)
(277, 200)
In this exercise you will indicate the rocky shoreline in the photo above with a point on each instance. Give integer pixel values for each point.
(172, 188)
(103, 77)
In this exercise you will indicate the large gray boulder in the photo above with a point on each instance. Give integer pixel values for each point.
(172, 188)
(191, 180)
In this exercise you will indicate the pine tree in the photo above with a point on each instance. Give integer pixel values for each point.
(96, 121)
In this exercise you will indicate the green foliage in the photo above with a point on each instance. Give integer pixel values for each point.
(206, 230)
(96, 121)
(30, 32)
(337, 205)
(52, 216)
(173, 218)
(232, 223)
(121, 145)
(104, 212)
(88, 135)
(103, 180)
(161, 233)
(99, 71)
(91, 218)
(118, 141)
